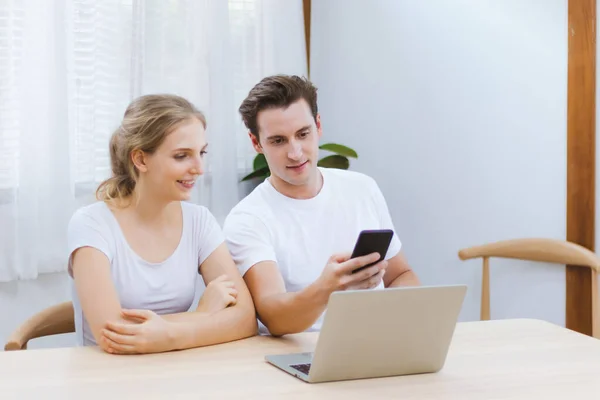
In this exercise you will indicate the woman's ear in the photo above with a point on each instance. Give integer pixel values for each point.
(138, 157)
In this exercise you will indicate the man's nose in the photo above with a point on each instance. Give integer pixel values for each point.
(295, 151)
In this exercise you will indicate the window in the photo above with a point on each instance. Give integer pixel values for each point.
(245, 42)
(99, 80)
(114, 51)
(69, 68)
(11, 47)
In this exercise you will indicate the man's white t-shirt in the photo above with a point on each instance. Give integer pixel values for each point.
(166, 287)
(300, 235)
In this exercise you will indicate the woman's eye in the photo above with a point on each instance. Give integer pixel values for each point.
(179, 156)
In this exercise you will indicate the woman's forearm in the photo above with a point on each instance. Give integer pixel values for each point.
(195, 329)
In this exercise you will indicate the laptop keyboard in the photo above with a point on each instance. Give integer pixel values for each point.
(304, 368)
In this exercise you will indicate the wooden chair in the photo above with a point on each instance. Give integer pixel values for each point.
(50, 321)
(543, 250)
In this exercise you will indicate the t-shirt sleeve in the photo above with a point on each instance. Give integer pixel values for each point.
(248, 240)
(86, 230)
(385, 220)
(209, 234)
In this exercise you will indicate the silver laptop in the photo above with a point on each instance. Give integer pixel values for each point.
(378, 333)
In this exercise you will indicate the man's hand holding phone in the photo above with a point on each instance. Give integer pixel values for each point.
(339, 272)
(363, 268)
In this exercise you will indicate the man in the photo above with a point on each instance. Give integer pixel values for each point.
(292, 236)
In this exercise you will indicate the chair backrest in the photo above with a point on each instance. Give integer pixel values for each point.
(531, 249)
(50, 321)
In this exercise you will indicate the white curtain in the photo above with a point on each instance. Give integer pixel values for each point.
(68, 69)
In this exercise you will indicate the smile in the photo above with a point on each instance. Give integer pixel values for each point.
(298, 166)
(187, 184)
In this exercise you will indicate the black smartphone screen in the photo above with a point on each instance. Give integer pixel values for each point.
(372, 241)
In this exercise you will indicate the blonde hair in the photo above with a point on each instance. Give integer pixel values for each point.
(146, 122)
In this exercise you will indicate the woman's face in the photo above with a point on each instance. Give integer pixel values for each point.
(171, 171)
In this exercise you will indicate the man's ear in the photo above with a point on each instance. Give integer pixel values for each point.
(138, 157)
(255, 142)
(318, 122)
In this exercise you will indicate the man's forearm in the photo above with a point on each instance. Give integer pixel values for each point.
(294, 312)
(408, 278)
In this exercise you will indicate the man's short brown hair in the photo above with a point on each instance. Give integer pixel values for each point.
(275, 92)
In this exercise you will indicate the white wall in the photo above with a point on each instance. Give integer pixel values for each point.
(19, 300)
(458, 109)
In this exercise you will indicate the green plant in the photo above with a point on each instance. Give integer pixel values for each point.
(339, 160)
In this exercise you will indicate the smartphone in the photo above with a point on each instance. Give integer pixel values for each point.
(372, 241)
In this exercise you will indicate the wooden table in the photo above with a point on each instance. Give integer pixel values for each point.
(510, 359)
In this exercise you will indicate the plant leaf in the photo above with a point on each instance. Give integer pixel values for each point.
(334, 161)
(260, 161)
(339, 149)
(259, 173)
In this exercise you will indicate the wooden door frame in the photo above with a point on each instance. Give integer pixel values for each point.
(306, 7)
(581, 160)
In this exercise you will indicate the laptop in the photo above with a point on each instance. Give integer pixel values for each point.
(380, 333)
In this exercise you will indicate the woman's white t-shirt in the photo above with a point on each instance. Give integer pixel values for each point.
(166, 287)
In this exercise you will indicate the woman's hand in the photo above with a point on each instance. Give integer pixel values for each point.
(219, 294)
(142, 332)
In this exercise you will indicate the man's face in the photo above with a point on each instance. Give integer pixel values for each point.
(289, 139)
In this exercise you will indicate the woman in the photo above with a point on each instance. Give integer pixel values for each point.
(135, 254)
